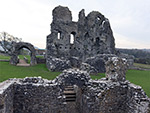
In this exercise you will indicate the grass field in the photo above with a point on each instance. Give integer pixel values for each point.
(141, 78)
(7, 71)
(4, 57)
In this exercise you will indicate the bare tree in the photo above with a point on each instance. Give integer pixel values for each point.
(6, 42)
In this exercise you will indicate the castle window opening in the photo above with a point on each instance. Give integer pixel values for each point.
(98, 18)
(72, 38)
(58, 35)
(2, 106)
(97, 39)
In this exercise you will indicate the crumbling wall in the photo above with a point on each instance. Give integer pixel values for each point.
(34, 95)
(6, 96)
(70, 41)
(17, 46)
(74, 91)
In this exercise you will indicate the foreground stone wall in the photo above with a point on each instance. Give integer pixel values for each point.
(72, 44)
(6, 96)
(74, 91)
(38, 97)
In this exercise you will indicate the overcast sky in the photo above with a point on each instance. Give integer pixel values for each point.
(30, 19)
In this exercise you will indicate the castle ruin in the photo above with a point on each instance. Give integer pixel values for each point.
(86, 43)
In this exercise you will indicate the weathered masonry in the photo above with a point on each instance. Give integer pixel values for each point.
(18, 46)
(74, 91)
(86, 43)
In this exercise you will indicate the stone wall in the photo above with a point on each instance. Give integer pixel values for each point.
(69, 41)
(40, 60)
(17, 47)
(74, 91)
(37, 97)
(6, 96)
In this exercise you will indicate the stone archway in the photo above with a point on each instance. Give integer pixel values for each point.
(17, 46)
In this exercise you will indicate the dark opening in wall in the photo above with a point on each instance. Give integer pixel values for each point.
(2, 106)
(98, 52)
(97, 41)
(86, 35)
(58, 35)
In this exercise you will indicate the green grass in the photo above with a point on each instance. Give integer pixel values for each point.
(141, 78)
(4, 57)
(39, 56)
(142, 65)
(27, 56)
(98, 76)
(7, 71)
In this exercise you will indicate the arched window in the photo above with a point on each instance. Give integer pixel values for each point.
(58, 35)
(72, 37)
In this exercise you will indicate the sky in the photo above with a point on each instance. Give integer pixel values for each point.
(30, 19)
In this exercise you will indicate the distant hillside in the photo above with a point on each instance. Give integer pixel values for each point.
(137, 53)
(141, 55)
(148, 50)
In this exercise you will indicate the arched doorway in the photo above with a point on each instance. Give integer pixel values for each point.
(16, 50)
(24, 57)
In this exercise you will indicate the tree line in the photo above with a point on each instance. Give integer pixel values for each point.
(7, 41)
(141, 55)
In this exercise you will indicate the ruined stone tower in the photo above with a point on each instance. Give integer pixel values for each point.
(74, 44)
